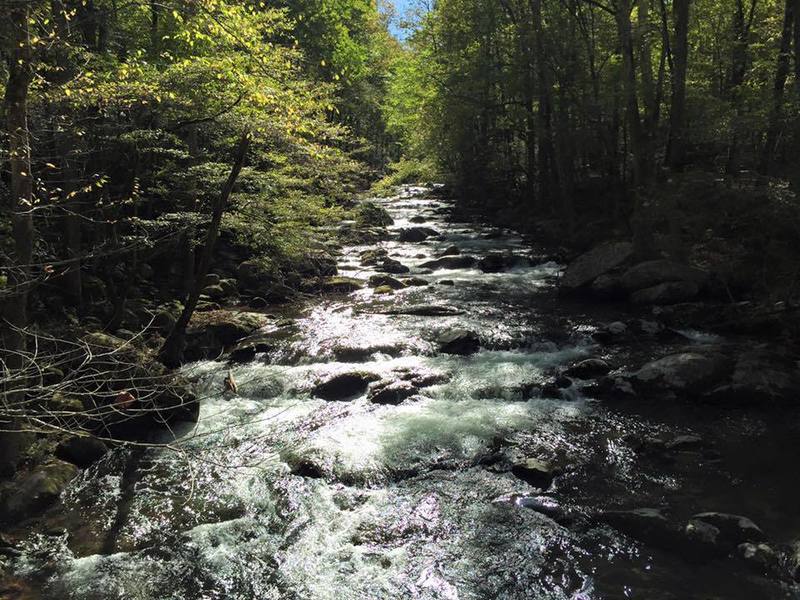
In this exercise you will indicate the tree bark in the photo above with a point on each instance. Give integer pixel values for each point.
(676, 146)
(622, 16)
(778, 88)
(173, 348)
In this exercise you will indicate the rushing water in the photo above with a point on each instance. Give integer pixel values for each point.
(277, 494)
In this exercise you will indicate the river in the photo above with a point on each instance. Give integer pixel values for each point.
(280, 494)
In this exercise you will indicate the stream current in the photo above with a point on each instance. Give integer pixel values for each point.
(279, 494)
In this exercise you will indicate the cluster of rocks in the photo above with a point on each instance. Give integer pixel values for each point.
(607, 272)
(394, 390)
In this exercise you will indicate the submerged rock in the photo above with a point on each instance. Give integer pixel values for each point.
(589, 266)
(345, 386)
(459, 341)
(648, 525)
(733, 529)
(390, 265)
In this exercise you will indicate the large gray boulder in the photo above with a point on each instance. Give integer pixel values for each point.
(417, 234)
(688, 373)
(760, 376)
(459, 341)
(654, 272)
(36, 491)
(589, 266)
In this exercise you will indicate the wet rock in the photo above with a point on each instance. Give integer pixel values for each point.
(341, 285)
(648, 525)
(35, 492)
(426, 310)
(761, 377)
(493, 263)
(459, 341)
(81, 451)
(598, 261)
(761, 557)
(390, 265)
(688, 373)
(417, 234)
(254, 275)
(212, 279)
(447, 282)
(683, 443)
(544, 505)
(654, 272)
(345, 386)
(383, 290)
(671, 292)
(607, 287)
(209, 333)
(450, 262)
(373, 256)
(793, 560)
(611, 333)
(369, 214)
(733, 529)
(418, 219)
(416, 282)
(589, 368)
(449, 251)
(393, 393)
(385, 280)
(536, 472)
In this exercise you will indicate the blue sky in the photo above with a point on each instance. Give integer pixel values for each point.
(401, 6)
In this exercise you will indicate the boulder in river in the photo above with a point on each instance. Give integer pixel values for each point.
(648, 525)
(390, 265)
(760, 376)
(450, 262)
(344, 386)
(670, 292)
(341, 285)
(385, 280)
(449, 251)
(589, 368)
(417, 234)
(82, 451)
(36, 491)
(459, 341)
(416, 282)
(689, 373)
(392, 393)
(589, 266)
(653, 272)
(373, 256)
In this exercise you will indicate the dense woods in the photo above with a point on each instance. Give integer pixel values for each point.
(467, 298)
(588, 110)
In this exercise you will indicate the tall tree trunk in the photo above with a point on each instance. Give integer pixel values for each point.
(739, 58)
(15, 310)
(778, 88)
(649, 96)
(622, 15)
(676, 146)
(173, 348)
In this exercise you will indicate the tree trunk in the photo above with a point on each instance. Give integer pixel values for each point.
(622, 16)
(172, 350)
(676, 146)
(778, 88)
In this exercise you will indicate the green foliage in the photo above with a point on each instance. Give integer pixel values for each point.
(407, 171)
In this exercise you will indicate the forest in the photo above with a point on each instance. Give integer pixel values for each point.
(341, 299)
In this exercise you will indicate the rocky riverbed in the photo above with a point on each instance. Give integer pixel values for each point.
(443, 423)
